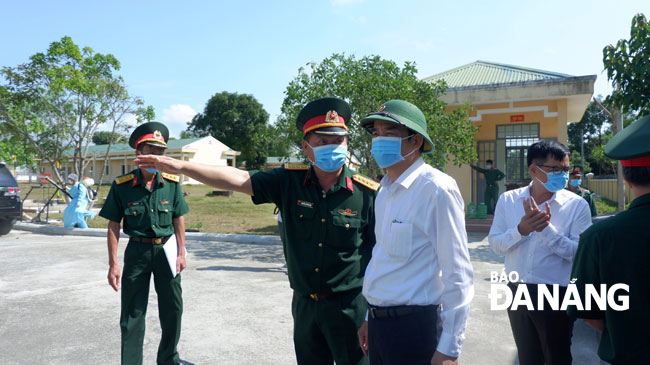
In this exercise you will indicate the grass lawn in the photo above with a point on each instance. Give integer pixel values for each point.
(216, 214)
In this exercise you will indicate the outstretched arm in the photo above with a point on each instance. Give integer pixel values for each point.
(221, 177)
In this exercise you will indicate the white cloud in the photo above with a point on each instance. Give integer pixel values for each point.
(344, 2)
(176, 118)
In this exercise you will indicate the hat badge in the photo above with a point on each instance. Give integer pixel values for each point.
(157, 135)
(332, 117)
(381, 108)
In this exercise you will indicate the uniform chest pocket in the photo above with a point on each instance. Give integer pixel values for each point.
(303, 223)
(400, 242)
(134, 215)
(346, 231)
(164, 214)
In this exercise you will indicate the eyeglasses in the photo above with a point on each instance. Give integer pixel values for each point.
(556, 170)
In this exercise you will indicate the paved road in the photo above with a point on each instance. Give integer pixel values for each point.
(57, 308)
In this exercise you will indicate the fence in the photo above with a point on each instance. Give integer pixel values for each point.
(606, 188)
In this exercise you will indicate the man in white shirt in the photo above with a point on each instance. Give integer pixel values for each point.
(537, 227)
(420, 260)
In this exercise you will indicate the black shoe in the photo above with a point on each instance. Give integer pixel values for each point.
(183, 362)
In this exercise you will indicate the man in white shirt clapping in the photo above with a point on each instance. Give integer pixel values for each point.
(420, 260)
(537, 227)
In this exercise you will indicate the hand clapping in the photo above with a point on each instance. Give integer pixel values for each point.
(534, 219)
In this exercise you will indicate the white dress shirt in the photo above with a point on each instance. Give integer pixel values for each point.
(421, 256)
(541, 257)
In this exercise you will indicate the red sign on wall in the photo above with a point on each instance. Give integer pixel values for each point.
(516, 118)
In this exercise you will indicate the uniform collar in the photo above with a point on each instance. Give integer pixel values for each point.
(138, 180)
(642, 200)
(345, 179)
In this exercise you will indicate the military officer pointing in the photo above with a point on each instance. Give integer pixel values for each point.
(328, 225)
(492, 177)
(617, 251)
(151, 206)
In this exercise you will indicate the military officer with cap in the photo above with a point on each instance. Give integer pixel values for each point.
(421, 260)
(575, 180)
(492, 177)
(617, 250)
(151, 206)
(328, 225)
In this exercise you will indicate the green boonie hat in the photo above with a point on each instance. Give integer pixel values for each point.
(402, 113)
(151, 133)
(632, 144)
(326, 116)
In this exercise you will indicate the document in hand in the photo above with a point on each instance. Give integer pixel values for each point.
(171, 252)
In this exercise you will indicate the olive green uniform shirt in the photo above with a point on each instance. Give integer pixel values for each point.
(617, 250)
(491, 176)
(146, 213)
(588, 196)
(328, 235)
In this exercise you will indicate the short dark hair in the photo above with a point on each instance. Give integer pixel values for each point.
(542, 149)
(637, 176)
(490, 161)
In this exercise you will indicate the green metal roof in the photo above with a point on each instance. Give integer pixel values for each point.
(124, 147)
(482, 73)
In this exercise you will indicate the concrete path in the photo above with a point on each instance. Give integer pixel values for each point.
(57, 308)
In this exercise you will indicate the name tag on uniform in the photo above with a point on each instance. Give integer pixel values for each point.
(305, 204)
(134, 204)
(164, 202)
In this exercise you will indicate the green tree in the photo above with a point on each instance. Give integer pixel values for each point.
(240, 122)
(627, 68)
(57, 100)
(365, 84)
(104, 137)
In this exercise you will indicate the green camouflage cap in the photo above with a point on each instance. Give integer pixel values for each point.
(402, 113)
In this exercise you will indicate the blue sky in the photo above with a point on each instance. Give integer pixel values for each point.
(177, 54)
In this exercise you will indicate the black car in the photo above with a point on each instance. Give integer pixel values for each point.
(9, 200)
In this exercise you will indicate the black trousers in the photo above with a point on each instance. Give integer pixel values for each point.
(408, 339)
(541, 336)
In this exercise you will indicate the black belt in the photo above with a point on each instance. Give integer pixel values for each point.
(152, 240)
(316, 297)
(398, 311)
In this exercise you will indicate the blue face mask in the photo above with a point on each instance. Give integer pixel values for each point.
(554, 182)
(576, 182)
(387, 151)
(329, 157)
(488, 166)
(153, 171)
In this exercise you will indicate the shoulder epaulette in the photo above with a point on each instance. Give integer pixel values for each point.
(171, 177)
(122, 179)
(367, 182)
(295, 166)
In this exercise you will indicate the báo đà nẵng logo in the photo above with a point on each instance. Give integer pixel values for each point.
(502, 297)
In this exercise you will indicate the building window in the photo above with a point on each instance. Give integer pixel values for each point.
(517, 138)
(123, 169)
(106, 169)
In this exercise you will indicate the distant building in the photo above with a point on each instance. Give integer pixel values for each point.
(203, 150)
(514, 107)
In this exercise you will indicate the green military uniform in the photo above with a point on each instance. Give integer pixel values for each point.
(491, 194)
(328, 240)
(617, 250)
(587, 195)
(329, 237)
(147, 214)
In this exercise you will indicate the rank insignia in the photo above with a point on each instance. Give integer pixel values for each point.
(332, 117)
(348, 212)
(164, 202)
(381, 108)
(305, 204)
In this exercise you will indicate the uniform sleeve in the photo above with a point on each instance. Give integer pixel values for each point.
(112, 209)
(592, 205)
(479, 169)
(180, 206)
(267, 185)
(450, 240)
(586, 270)
(500, 175)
